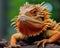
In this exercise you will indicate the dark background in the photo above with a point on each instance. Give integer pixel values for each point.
(10, 8)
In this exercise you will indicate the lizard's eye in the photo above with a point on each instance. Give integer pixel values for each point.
(34, 13)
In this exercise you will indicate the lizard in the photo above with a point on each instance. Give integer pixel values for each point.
(34, 19)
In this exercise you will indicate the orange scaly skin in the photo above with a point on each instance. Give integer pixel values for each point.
(33, 20)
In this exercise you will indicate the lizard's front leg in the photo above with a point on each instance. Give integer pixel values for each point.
(53, 38)
(14, 38)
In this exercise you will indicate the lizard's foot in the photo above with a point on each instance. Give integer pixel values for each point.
(44, 41)
(14, 46)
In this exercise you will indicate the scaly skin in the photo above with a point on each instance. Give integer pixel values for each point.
(33, 20)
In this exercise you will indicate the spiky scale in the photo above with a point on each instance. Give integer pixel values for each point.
(42, 3)
(14, 26)
(13, 23)
(14, 19)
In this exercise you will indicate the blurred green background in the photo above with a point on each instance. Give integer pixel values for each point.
(10, 8)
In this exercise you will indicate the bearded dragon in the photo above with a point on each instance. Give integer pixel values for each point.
(34, 19)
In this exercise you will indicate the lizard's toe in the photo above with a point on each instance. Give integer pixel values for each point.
(44, 41)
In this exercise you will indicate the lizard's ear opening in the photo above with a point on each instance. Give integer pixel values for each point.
(42, 18)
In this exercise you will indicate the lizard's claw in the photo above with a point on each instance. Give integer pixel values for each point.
(44, 41)
(14, 46)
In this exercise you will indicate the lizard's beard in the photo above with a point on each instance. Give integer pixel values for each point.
(30, 28)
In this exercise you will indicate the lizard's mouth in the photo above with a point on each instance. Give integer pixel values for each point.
(24, 18)
(29, 26)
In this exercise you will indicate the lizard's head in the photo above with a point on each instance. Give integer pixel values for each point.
(33, 12)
